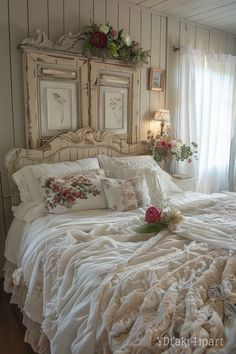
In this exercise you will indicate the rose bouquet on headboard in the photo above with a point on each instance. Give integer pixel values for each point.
(165, 148)
(104, 41)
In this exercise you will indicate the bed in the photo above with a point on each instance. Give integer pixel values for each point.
(87, 281)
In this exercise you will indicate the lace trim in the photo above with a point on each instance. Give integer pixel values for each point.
(33, 335)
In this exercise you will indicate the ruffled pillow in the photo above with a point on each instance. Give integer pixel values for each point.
(126, 194)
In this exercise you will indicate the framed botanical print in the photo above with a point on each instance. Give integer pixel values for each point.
(58, 106)
(157, 79)
(114, 109)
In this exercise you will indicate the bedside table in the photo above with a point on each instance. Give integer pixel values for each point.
(185, 183)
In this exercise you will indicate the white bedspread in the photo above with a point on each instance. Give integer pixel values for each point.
(98, 287)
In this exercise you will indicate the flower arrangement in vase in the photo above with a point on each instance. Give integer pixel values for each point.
(168, 149)
(104, 41)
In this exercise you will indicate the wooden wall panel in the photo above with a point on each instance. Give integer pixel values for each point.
(71, 16)
(6, 114)
(163, 59)
(123, 20)
(18, 30)
(187, 35)
(153, 31)
(55, 19)
(86, 12)
(38, 16)
(172, 83)
(100, 12)
(2, 230)
(230, 45)
(135, 23)
(144, 93)
(112, 13)
(155, 62)
(202, 38)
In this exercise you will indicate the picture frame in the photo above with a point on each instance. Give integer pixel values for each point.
(157, 79)
(58, 106)
(114, 109)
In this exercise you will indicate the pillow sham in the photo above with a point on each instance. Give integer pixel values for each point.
(111, 164)
(159, 182)
(126, 194)
(27, 177)
(75, 192)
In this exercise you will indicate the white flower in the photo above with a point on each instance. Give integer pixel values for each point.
(171, 218)
(104, 29)
(176, 147)
(126, 39)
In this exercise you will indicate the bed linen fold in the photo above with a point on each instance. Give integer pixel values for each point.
(99, 287)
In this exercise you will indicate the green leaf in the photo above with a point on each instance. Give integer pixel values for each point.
(113, 51)
(150, 228)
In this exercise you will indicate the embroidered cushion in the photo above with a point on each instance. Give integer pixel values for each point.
(126, 194)
(76, 192)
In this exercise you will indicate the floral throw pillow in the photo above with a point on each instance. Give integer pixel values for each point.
(126, 194)
(75, 192)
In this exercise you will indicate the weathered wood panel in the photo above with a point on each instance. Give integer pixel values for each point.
(144, 93)
(18, 30)
(55, 18)
(71, 16)
(37, 16)
(6, 114)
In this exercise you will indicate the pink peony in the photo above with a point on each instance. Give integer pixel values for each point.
(153, 214)
(98, 39)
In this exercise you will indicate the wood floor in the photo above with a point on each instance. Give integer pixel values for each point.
(11, 329)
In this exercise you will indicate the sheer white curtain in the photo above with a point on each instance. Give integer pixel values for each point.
(206, 114)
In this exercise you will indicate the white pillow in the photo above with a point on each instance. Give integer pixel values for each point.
(111, 164)
(28, 211)
(126, 194)
(77, 192)
(159, 182)
(27, 177)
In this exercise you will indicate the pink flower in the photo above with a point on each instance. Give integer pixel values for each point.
(55, 187)
(98, 39)
(113, 33)
(153, 214)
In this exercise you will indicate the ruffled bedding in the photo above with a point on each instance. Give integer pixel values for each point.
(94, 285)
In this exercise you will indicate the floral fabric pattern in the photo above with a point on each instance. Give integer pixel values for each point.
(72, 192)
(126, 194)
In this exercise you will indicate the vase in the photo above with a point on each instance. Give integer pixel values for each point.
(167, 166)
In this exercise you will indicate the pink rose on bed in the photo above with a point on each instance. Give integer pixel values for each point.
(153, 214)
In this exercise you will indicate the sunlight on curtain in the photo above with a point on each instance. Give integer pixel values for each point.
(206, 114)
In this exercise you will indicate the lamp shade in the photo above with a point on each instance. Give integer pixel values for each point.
(163, 115)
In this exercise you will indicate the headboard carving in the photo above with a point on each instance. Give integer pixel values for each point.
(85, 142)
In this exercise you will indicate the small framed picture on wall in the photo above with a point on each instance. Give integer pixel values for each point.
(157, 79)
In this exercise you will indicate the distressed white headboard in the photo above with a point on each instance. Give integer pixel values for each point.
(85, 142)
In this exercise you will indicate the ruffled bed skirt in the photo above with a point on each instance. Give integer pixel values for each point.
(33, 335)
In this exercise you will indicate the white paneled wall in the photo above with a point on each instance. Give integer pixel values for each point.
(19, 19)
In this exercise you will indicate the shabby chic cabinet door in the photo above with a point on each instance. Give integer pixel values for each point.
(56, 94)
(114, 104)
